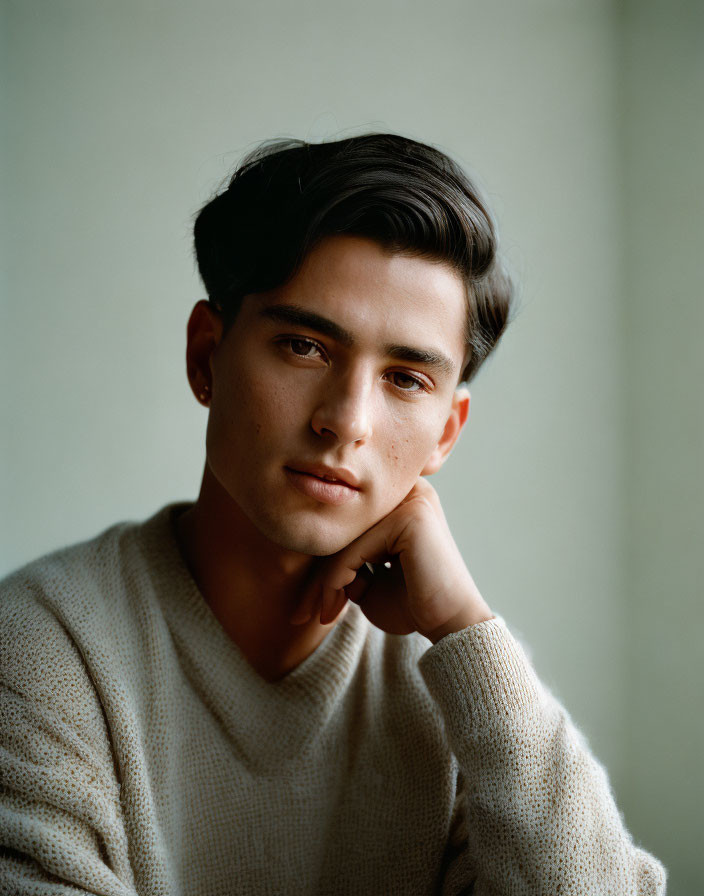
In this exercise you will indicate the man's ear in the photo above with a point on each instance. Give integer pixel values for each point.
(450, 434)
(203, 335)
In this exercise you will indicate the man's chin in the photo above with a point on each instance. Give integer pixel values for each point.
(314, 543)
(312, 546)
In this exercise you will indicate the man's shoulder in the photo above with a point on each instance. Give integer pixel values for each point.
(71, 576)
(44, 680)
(39, 599)
(87, 601)
(47, 586)
(69, 618)
(81, 596)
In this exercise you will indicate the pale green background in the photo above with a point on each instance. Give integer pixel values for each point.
(576, 493)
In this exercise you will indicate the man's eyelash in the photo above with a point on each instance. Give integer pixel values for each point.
(288, 340)
(408, 376)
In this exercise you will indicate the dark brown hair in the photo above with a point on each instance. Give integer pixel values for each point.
(287, 195)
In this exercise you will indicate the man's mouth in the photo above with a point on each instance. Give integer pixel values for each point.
(326, 473)
(322, 489)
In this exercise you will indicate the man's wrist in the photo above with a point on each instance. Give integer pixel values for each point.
(464, 619)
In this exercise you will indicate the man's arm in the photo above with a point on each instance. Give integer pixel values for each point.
(61, 828)
(534, 812)
(536, 805)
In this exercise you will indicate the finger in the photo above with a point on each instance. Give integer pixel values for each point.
(301, 614)
(332, 604)
(372, 546)
(344, 600)
(328, 598)
(306, 607)
(356, 590)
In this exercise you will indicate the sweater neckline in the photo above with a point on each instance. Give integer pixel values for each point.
(253, 710)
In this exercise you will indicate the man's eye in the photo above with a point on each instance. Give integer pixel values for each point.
(408, 383)
(302, 348)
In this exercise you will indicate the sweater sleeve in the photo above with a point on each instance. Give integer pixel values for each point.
(534, 812)
(61, 829)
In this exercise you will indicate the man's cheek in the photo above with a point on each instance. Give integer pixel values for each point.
(403, 472)
(387, 500)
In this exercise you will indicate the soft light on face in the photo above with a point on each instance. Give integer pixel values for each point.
(337, 389)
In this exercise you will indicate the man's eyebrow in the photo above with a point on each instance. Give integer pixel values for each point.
(297, 316)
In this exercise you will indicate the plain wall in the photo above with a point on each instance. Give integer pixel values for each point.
(121, 121)
(663, 277)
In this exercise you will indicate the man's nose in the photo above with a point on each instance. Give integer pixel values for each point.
(344, 408)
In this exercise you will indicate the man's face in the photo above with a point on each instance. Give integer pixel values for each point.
(289, 391)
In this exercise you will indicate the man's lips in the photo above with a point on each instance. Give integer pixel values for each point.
(337, 475)
(321, 490)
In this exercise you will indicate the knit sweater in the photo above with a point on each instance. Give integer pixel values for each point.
(140, 753)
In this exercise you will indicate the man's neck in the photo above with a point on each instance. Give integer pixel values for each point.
(251, 585)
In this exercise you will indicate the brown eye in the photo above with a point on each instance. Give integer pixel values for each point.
(408, 383)
(300, 347)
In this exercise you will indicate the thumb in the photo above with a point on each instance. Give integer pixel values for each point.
(310, 593)
(356, 590)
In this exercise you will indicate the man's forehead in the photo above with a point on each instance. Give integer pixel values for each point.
(364, 292)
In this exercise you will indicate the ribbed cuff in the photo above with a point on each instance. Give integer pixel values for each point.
(481, 674)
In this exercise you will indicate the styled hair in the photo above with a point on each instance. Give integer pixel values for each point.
(287, 195)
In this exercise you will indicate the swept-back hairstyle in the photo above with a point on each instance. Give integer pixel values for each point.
(287, 195)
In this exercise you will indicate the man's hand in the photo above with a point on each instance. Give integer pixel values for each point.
(427, 587)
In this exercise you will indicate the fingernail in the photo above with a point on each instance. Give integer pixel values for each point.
(331, 603)
(300, 616)
(324, 604)
(342, 602)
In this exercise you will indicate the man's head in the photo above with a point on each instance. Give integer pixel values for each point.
(352, 287)
(287, 195)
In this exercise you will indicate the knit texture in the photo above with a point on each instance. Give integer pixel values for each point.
(140, 753)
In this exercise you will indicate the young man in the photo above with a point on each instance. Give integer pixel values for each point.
(292, 685)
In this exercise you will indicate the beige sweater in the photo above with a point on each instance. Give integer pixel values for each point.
(141, 753)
